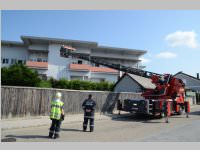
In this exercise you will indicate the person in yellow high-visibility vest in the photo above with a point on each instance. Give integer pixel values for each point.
(56, 114)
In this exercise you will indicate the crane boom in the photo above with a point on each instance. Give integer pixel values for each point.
(66, 52)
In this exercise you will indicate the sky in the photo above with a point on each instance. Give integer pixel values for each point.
(170, 37)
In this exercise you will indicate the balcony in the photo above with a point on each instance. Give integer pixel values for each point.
(85, 67)
(37, 65)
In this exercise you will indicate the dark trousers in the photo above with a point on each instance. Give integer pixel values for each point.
(55, 127)
(86, 122)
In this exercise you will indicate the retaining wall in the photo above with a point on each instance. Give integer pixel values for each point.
(29, 101)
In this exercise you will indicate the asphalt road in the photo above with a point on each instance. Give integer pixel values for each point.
(125, 129)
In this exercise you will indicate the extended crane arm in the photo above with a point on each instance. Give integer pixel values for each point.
(67, 51)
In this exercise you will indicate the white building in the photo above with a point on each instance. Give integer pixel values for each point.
(43, 54)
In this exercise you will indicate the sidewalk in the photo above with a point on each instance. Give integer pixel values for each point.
(44, 120)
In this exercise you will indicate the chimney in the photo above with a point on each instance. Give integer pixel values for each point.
(197, 75)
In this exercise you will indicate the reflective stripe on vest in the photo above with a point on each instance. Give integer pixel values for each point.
(56, 110)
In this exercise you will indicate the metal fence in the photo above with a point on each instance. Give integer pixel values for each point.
(29, 101)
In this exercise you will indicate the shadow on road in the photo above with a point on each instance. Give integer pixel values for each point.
(27, 136)
(73, 130)
(146, 118)
(195, 113)
(8, 140)
(138, 118)
(181, 116)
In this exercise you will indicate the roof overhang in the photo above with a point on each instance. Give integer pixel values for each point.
(28, 40)
(121, 50)
(12, 43)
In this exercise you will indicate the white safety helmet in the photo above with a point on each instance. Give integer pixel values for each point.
(58, 95)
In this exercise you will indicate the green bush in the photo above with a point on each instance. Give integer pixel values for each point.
(81, 85)
(104, 86)
(45, 84)
(76, 85)
(93, 86)
(19, 75)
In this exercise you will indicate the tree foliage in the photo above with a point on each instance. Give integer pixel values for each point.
(19, 75)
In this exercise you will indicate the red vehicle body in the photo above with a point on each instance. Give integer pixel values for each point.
(170, 92)
(167, 98)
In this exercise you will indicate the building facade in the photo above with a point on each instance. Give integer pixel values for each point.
(191, 82)
(43, 54)
(192, 85)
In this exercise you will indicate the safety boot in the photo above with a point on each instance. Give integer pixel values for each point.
(84, 128)
(91, 129)
(50, 134)
(56, 136)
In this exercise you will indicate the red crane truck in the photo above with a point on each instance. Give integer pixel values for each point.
(165, 100)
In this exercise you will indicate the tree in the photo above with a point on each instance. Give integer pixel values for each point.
(19, 75)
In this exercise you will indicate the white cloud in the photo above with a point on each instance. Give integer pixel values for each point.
(144, 60)
(166, 55)
(182, 38)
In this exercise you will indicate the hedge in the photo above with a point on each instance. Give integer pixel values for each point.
(20, 75)
(81, 85)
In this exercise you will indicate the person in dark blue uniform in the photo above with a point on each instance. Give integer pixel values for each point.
(89, 109)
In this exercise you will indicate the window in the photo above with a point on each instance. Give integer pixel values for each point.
(85, 77)
(80, 61)
(98, 79)
(44, 60)
(5, 61)
(96, 65)
(13, 61)
(43, 76)
(102, 80)
(20, 61)
(32, 59)
(39, 59)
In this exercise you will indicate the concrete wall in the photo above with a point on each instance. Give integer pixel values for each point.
(93, 76)
(23, 101)
(79, 73)
(57, 65)
(83, 50)
(10, 52)
(38, 47)
(34, 55)
(114, 55)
